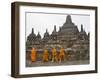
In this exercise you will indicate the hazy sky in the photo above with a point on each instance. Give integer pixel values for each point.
(40, 22)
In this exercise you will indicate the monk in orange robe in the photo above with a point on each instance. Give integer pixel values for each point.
(45, 56)
(33, 55)
(54, 55)
(61, 55)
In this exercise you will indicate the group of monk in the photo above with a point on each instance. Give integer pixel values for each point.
(55, 57)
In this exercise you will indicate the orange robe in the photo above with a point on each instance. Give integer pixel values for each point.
(61, 55)
(45, 56)
(33, 55)
(54, 55)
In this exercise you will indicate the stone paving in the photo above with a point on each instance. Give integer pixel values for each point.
(40, 63)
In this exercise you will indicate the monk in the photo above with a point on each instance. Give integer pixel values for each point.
(45, 56)
(33, 55)
(61, 55)
(54, 55)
